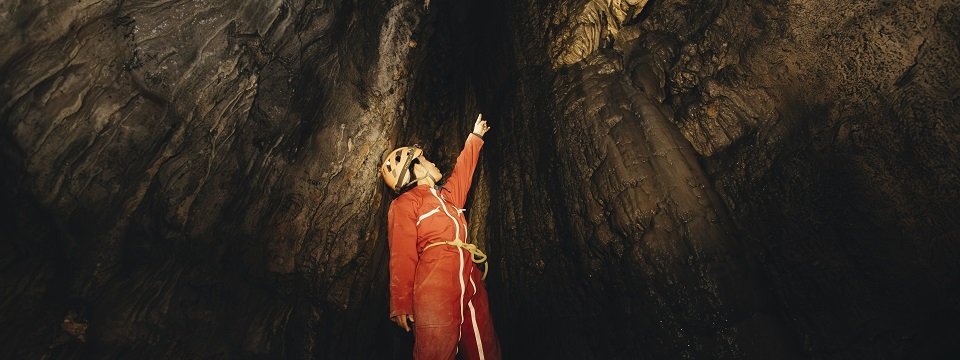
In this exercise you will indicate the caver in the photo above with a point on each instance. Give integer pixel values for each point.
(433, 275)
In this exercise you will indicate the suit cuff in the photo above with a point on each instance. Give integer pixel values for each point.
(401, 306)
(396, 313)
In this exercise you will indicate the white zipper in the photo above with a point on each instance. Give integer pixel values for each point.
(456, 225)
(463, 287)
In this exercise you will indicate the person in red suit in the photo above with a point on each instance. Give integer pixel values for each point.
(434, 281)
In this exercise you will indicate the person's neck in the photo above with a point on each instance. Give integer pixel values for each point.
(426, 181)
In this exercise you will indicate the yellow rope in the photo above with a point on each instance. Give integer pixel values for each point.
(477, 256)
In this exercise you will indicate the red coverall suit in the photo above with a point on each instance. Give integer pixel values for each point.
(440, 286)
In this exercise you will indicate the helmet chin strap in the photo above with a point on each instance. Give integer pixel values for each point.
(426, 176)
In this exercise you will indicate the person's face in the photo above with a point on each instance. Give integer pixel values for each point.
(430, 167)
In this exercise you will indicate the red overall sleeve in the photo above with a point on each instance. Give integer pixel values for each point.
(458, 184)
(402, 236)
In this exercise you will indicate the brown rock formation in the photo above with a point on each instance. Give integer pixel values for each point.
(665, 179)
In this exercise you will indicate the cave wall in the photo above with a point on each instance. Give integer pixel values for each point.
(664, 179)
(184, 162)
(835, 146)
(843, 181)
(811, 124)
(637, 236)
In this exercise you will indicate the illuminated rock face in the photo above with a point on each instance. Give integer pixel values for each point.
(664, 179)
(585, 27)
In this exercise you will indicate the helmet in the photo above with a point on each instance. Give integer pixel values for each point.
(397, 168)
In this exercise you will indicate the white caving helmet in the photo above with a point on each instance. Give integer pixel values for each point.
(397, 168)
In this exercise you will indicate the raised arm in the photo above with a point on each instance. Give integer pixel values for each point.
(402, 236)
(458, 184)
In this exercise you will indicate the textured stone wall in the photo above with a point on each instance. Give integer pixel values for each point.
(759, 179)
(204, 172)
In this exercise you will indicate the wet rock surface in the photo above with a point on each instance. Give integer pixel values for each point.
(664, 179)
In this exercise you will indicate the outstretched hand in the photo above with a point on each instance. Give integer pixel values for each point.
(480, 127)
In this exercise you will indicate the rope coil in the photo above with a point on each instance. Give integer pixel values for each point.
(477, 256)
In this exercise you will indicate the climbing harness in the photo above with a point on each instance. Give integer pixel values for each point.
(477, 256)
